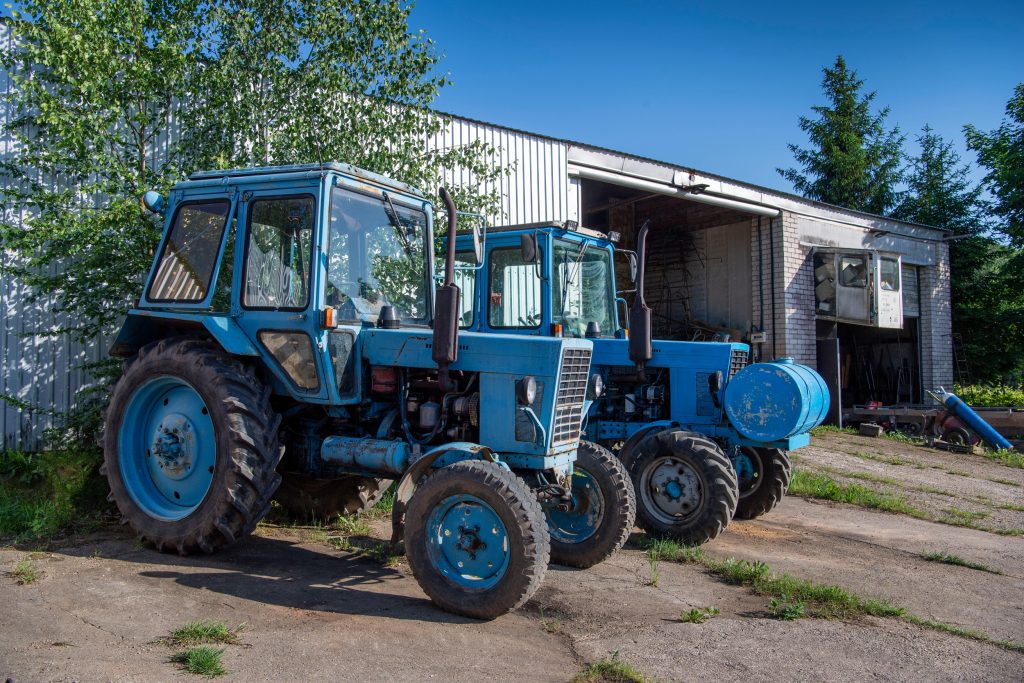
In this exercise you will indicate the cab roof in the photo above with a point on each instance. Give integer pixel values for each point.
(569, 226)
(329, 166)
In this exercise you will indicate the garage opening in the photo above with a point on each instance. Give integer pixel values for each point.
(699, 259)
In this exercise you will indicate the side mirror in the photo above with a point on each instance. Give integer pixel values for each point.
(631, 257)
(528, 247)
(478, 244)
(154, 202)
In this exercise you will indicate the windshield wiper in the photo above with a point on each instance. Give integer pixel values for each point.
(570, 277)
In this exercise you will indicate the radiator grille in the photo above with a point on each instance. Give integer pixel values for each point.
(572, 391)
(738, 362)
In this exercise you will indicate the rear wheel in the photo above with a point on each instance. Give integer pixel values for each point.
(476, 539)
(685, 486)
(307, 497)
(190, 446)
(602, 512)
(763, 475)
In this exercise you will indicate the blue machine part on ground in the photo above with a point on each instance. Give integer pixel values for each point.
(774, 401)
(963, 411)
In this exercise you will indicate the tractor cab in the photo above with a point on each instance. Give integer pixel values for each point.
(543, 279)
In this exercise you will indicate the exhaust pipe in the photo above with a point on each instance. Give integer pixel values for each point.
(445, 349)
(640, 333)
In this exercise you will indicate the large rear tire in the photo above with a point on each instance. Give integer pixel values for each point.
(309, 498)
(190, 446)
(476, 539)
(763, 475)
(685, 486)
(603, 510)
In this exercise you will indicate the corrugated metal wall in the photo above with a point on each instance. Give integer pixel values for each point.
(46, 372)
(536, 190)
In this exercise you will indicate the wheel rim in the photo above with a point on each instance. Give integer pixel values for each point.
(671, 489)
(748, 468)
(467, 542)
(583, 518)
(167, 449)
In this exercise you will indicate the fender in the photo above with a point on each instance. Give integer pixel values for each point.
(143, 326)
(629, 448)
(441, 456)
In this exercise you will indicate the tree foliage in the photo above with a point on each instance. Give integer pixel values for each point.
(110, 98)
(986, 291)
(853, 160)
(1000, 316)
(92, 92)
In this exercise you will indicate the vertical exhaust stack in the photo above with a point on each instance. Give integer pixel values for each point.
(640, 333)
(445, 349)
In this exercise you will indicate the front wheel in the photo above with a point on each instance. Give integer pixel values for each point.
(763, 475)
(686, 487)
(601, 514)
(476, 539)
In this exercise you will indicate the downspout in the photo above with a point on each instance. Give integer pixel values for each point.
(771, 256)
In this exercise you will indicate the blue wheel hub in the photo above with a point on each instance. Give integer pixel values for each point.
(747, 471)
(167, 450)
(584, 514)
(467, 542)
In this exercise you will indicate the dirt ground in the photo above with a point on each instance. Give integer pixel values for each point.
(312, 612)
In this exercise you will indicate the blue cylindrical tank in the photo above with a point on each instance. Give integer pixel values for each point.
(777, 400)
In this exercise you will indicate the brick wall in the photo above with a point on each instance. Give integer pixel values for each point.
(936, 322)
(791, 330)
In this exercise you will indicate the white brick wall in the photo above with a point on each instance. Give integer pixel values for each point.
(936, 322)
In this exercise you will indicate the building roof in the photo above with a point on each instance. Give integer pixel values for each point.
(789, 197)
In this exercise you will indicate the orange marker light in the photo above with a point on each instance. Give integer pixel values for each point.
(330, 319)
(556, 329)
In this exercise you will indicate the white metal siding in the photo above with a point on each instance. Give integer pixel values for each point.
(536, 190)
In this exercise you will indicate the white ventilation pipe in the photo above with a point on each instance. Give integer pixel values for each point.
(673, 191)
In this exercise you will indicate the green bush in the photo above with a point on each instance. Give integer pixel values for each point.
(990, 396)
(42, 494)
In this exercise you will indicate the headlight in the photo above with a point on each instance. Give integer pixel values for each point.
(526, 391)
(595, 387)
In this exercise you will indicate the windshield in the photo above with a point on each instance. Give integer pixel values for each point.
(376, 257)
(582, 289)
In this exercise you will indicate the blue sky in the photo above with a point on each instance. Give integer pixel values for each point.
(719, 86)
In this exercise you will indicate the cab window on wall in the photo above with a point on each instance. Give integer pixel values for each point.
(890, 274)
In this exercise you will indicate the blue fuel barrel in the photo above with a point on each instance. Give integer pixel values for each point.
(777, 400)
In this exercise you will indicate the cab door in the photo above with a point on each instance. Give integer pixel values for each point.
(274, 282)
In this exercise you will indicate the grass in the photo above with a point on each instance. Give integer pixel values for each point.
(699, 615)
(202, 661)
(820, 486)
(609, 670)
(821, 430)
(963, 632)
(900, 437)
(887, 459)
(946, 558)
(655, 571)
(794, 598)
(960, 517)
(204, 632)
(820, 600)
(1004, 457)
(552, 625)
(786, 611)
(671, 551)
(24, 573)
(44, 494)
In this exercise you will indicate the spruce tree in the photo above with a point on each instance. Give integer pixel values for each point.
(940, 193)
(853, 160)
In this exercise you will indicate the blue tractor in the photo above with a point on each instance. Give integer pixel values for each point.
(703, 433)
(289, 331)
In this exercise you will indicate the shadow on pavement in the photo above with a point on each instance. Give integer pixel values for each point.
(280, 572)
